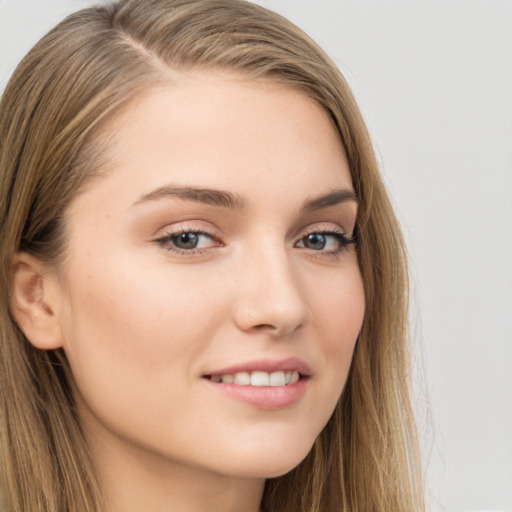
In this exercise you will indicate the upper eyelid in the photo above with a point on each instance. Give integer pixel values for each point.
(323, 227)
(186, 230)
(192, 226)
(209, 229)
(340, 231)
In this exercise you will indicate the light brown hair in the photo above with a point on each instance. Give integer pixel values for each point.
(80, 74)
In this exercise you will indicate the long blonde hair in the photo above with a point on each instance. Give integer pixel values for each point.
(81, 73)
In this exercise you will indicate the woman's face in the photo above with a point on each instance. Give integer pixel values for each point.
(206, 272)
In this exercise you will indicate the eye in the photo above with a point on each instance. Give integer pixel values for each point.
(330, 242)
(187, 241)
(315, 241)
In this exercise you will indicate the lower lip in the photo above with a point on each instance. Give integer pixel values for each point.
(267, 398)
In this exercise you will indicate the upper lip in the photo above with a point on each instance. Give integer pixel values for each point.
(289, 364)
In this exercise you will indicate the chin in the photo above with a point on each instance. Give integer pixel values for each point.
(271, 462)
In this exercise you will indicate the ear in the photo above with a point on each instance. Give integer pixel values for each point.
(34, 302)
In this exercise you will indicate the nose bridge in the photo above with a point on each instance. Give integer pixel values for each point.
(270, 294)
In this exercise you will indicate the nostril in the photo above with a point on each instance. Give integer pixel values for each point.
(265, 326)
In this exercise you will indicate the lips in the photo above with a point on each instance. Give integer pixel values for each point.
(264, 384)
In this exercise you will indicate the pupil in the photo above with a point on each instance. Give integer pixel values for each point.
(187, 240)
(315, 241)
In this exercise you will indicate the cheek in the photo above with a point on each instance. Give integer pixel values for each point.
(338, 313)
(129, 323)
(338, 310)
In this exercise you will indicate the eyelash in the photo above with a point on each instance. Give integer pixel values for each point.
(343, 240)
(168, 239)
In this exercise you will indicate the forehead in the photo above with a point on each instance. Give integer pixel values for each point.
(215, 129)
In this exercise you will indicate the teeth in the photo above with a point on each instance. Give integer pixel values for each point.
(294, 378)
(258, 378)
(277, 379)
(242, 379)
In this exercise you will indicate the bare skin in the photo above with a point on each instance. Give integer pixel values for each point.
(220, 239)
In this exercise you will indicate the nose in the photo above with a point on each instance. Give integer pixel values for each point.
(269, 295)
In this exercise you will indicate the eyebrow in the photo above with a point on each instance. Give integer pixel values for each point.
(233, 201)
(338, 196)
(197, 194)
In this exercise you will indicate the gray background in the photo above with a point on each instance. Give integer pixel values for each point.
(434, 80)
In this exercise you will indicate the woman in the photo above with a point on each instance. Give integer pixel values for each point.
(205, 287)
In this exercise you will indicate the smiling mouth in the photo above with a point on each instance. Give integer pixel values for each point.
(265, 384)
(258, 378)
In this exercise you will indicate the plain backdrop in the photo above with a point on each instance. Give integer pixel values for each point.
(434, 81)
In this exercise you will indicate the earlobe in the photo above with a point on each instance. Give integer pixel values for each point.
(33, 302)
